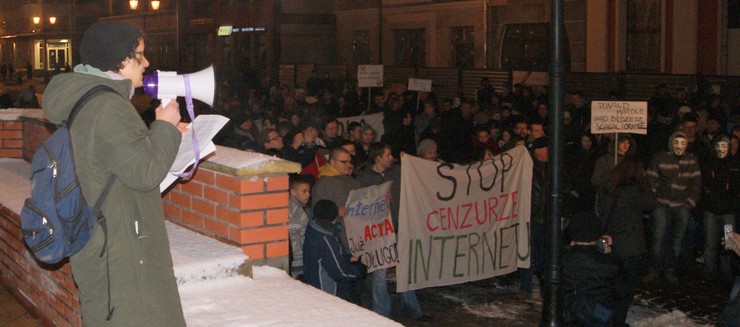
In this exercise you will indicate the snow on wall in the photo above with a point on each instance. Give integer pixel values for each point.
(196, 257)
(16, 185)
(16, 114)
(239, 159)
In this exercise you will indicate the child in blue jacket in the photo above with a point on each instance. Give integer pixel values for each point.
(326, 266)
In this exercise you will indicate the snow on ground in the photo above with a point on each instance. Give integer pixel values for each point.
(271, 298)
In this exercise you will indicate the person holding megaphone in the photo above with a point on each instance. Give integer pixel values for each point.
(126, 276)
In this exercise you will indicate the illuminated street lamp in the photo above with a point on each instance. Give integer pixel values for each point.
(155, 5)
(133, 4)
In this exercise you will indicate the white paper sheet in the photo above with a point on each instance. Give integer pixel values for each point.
(206, 127)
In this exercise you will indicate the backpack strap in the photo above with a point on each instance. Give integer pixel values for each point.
(83, 100)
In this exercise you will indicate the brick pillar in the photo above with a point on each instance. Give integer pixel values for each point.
(247, 208)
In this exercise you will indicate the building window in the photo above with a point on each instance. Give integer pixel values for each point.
(360, 48)
(643, 35)
(526, 47)
(410, 47)
(462, 47)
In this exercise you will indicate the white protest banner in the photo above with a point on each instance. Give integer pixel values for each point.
(370, 75)
(460, 223)
(370, 231)
(619, 117)
(375, 120)
(417, 84)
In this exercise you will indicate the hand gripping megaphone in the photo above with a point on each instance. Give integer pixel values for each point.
(165, 85)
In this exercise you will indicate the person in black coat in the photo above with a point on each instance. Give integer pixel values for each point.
(626, 198)
(590, 275)
(720, 194)
(580, 195)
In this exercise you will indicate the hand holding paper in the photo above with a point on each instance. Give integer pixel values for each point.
(205, 127)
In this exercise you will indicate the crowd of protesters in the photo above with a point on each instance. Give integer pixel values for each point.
(661, 198)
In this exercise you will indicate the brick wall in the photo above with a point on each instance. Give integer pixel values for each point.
(49, 292)
(35, 131)
(246, 208)
(250, 212)
(11, 139)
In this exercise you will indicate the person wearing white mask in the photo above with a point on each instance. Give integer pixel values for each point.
(675, 179)
(721, 191)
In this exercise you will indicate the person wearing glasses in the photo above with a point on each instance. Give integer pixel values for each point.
(133, 284)
(271, 142)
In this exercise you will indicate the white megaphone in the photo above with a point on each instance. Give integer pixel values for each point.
(165, 85)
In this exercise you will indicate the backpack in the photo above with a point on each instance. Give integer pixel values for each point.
(56, 220)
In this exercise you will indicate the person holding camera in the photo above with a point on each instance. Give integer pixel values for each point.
(624, 199)
(590, 274)
(730, 316)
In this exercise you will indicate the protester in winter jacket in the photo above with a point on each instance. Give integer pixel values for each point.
(381, 170)
(580, 194)
(625, 199)
(675, 179)
(539, 205)
(300, 192)
(590, 275)
(625, 147)
(133, 283)
(721, 196)
(301, 147)
(327, 266)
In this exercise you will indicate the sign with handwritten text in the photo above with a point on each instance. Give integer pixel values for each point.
(619, 117)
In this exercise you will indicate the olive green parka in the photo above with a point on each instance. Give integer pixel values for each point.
(109, 137)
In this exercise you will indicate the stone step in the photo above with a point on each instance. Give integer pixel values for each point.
(197, 257)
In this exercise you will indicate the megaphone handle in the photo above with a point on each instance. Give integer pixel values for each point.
(165, 102)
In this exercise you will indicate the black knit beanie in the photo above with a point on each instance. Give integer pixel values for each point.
(325, 211)
(107, 43)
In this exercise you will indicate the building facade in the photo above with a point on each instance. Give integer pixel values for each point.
(653, 36)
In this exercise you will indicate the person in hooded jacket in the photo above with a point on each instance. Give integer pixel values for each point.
(326, 264)
(626, 146)
(579, 167)
(133, 284)
(675, 179)
(590, 276)
(721, 196)
(625, 199)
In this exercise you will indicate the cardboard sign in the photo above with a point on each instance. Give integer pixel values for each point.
(417, 84)
(369, 228)
(370, 75)
(619, 117)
